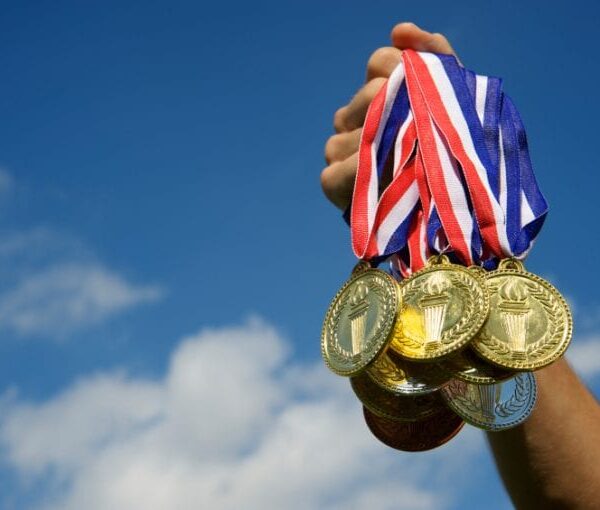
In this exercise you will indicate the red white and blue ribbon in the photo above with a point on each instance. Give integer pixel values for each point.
(461, 178)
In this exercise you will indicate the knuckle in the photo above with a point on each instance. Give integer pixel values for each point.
(332, 148)
(339, 119)
(328, 181)
(382, 61)
(441, 43)
(373, 86)
(370, 90)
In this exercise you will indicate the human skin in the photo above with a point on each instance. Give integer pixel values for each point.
(551, 460)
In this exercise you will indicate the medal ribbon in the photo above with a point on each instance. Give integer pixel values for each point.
(461, 176)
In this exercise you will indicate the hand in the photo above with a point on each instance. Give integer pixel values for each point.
(341, 150)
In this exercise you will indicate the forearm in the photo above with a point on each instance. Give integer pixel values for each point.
(551, 461)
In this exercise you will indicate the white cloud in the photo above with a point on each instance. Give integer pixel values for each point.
(233, 424)
(66, 297)
(52, 285)
(38, 244)
(584, 354)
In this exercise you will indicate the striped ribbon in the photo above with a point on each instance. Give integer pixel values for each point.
(453, 149)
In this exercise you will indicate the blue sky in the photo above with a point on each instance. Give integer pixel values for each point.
(160, 176)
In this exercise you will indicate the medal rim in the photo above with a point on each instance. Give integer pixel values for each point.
(455, 346)
(381, 380)
(371, 420)
(366, 399)
(381, 343)
(484, 425)
(523, 366)
(474, 379)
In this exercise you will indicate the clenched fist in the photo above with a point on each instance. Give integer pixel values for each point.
(341, 150)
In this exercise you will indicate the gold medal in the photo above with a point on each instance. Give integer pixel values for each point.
(529, 325)
(493, 407)
(395, 407)
(443, 307)
(359, 321)
(467, 366)
(403, 377)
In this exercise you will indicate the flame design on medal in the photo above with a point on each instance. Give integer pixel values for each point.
(493, 406)
(529, 325)
(358, 316)
(514, 309)
(443, 307)
(434, 305)
(359, 321)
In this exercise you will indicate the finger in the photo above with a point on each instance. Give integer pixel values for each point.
(341, 146)
(382, 62)
(352, 116)
(409, 35)
(337, 181)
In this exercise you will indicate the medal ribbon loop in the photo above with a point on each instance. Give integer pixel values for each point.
(461, 177)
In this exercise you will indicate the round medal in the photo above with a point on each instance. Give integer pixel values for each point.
(493, 406)
(443, 307)
(359, 321)
(467, 366)
(392, 406)
(529, 325)
(403, 377)
(416, 436)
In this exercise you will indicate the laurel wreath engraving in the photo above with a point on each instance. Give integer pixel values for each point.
(517, 400)
(549, 343)
(388, 405)
(336, 354)
(405, 379)
(518, 406)
(456, 389)
(470, 287)
(385, 369)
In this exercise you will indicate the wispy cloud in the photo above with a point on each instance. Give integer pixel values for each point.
(232, 424)
(65, 298)
(51, 285)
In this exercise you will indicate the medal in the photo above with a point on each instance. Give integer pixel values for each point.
(359, 321)
(416, 436)
(444, 190)
(467, 366)
(443, 307)
(529, 325)
(493, 407)
(395, 407)
(403, 377)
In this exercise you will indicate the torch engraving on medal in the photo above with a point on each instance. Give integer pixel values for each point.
(434, 305)
(358, 316)
(488, 397)
(514, 309)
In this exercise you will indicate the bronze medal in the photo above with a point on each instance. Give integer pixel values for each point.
(416, 436)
